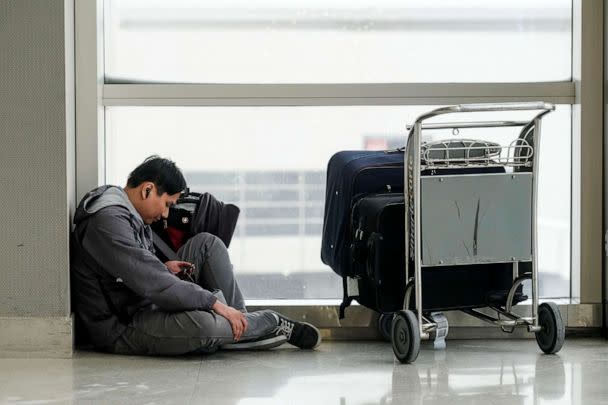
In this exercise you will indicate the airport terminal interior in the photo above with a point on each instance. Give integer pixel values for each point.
(418, 185)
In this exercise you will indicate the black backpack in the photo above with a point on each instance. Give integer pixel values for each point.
(194, 213)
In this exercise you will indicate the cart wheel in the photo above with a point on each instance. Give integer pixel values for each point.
(551, 338)
(405, 336)
(385, 323)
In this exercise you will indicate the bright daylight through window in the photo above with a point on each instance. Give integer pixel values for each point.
(271, 160)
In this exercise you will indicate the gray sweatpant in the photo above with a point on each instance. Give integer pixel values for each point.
(157, 332)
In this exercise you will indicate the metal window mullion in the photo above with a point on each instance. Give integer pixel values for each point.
(90, 114)
(587, 127)
(333, 94)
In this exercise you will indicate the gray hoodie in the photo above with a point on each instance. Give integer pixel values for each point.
(114, 271)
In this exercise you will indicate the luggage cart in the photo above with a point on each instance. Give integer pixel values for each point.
(496, 213)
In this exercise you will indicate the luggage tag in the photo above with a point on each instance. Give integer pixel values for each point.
(442, 330)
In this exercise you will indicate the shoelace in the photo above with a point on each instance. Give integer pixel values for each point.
(286, 328)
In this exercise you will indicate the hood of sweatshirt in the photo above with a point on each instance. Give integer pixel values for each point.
(103, 197)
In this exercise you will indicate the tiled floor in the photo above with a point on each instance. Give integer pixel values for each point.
(340, 373)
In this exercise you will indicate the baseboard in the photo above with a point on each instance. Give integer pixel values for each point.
(49, 337)
(361, 323)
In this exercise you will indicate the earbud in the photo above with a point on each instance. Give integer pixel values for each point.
(148, 190)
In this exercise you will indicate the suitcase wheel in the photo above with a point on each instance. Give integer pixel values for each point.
(405, 336)
(551, 337)
(385, 323)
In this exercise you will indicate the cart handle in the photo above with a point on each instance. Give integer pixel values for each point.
(533, 105)
(527, 106)
(481, 124)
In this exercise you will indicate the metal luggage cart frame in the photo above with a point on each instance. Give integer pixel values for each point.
(409, 327)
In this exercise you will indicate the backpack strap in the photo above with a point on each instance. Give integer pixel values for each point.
(161, 245)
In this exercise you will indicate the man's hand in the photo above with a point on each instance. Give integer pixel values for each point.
(237, 319)
(176, 266)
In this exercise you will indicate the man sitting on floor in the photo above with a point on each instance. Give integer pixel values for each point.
(130, 302)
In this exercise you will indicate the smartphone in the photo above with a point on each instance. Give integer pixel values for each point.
(186, 273)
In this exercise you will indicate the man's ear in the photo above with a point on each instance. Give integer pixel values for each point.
(147, 189)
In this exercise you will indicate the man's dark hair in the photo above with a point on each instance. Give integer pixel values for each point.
(162, 172)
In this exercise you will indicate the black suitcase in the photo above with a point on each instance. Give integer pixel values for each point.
(350, 175)
(378, 252)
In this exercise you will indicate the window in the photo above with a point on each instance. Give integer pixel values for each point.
(337, 41)
(271, 162)
(251, 102)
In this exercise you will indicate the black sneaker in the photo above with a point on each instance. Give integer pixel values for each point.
(299, 334)
(263, 342)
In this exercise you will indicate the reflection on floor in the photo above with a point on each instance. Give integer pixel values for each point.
(340, 373)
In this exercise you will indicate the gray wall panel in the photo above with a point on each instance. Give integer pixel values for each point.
(605, 258)
(33, 154)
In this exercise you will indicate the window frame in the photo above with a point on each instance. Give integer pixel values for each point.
(93, 95)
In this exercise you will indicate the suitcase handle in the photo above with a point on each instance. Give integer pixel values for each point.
(357, 251)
